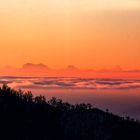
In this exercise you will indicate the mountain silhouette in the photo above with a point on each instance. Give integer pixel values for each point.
(71, 68)
(34, 66)
(25, 117)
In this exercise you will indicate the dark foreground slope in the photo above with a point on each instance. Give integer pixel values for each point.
(23, 117)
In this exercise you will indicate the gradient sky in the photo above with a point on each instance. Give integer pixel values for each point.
(84, 33)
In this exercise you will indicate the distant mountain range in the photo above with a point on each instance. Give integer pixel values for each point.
(34, 66)
(74, 68)
(45, 67)
(31, 69)
(69, 68)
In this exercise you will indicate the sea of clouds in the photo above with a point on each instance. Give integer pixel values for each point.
(69, 83)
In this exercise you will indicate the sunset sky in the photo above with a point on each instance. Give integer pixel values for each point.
(85, 33)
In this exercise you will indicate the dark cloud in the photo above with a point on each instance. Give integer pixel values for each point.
(54, 82)
(113, 82)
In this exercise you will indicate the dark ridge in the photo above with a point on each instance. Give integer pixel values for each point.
(35, 66)
(24, 117)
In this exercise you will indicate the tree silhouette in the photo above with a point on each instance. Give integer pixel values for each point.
(25, 117)
(40, 100)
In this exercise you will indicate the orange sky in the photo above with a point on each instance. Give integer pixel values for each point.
(85, 33)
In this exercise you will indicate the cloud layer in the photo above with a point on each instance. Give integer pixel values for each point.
(69, 83)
